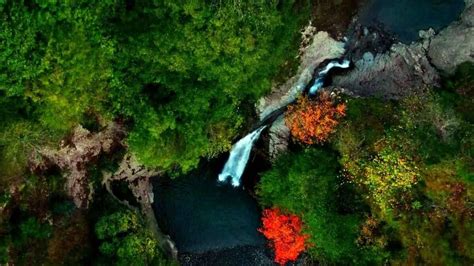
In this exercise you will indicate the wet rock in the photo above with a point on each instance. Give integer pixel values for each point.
(322, 48)
(315, 49)
(362, 40)
(279, 134)
(455, 44)
(241, 256)
(390, 75)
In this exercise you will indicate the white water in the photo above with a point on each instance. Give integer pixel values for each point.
(319, 81)
(239, 155)
(240, 152)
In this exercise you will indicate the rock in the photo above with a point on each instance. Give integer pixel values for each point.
(373, 39)
(240, 255)
(75, 154)
(323, 47)
(455, 44)
(137, 178)
(390, 75)
(368, 57)
(312, 54)
(426, 36)
(279, 134)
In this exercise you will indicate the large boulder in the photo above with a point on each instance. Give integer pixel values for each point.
(455, 44)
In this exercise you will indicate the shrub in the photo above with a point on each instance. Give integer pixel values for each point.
(313, 121)
(285, 234)
(308, 184)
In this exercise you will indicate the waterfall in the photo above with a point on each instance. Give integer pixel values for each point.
(239, 155)
(319, 81)
(240, 152)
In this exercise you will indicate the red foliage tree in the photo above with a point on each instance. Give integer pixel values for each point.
(284, 232)
(313, 121)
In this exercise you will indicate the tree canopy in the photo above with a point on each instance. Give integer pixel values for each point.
(183, 75)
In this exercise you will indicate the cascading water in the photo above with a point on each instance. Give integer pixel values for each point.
(240, 152)
(239, 155)
(319, 81)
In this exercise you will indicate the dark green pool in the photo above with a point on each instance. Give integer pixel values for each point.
(201, 215)
(405, 18)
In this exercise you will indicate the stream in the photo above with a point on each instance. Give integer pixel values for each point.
(203, 215)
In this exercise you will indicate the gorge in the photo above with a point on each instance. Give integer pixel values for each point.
(363, 52)
(240, 152)
(289, 132)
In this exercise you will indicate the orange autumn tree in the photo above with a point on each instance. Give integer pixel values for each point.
(284, 232)
(313, 121)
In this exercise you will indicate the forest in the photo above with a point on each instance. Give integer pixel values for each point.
(86, 86)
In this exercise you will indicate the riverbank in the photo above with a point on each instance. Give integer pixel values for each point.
(238, 256)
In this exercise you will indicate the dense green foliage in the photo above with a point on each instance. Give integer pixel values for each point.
(125, 240)
(409, 166)
(193, 66)
(307, 184)
(394, 184)
(177, 71)
(182, 76)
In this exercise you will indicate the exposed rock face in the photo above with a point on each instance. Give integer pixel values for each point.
(315, 48)
(405, 68)
(390, 75)
(138, 177)
(322, 47)
(74, 156)
(363, 39)
(455, 44)
(279, 134)
(83, 148)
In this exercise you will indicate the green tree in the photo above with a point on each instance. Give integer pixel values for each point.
(190, 70)
(308, 184)
(126, 241)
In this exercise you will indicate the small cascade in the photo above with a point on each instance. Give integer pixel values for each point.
(319, 81)
(240, 152)
(239, 155)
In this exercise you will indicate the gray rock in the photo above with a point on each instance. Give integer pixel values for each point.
(314, 51)
(368, 57)
(391, 75)
(455, 44)
(322, 47)
(279, 135)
